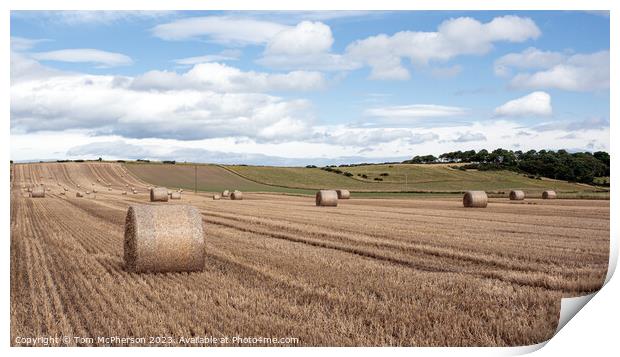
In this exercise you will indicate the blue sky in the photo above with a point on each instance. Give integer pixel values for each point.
(303, 87)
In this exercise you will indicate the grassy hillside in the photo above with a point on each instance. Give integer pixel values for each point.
(403, 177)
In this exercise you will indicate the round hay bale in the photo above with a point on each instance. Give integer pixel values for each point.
(236, 195)
(124, 193)
(343, 194)
(226, 193)
(175, 195)
(78, 185)
(216, 197)
(159, 194)
(517, 195)
(38, 191)
(135, 192)
(66, 189)
(98, 180)
(477, 199)
(79, 194)
(549, 195)
(94, 191)
(109, 188)
(88, 192)
(163, 238)
(327, 198)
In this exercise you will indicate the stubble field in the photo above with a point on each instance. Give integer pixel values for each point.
(414, 272)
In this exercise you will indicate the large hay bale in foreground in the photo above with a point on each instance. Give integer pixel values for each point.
(327, 198)
(38, 191)
(163, 238)
(175, 195)
(159, 194)
(226, 193)
(343, 194)
(476, 199)
(517, 195)
(236, 195)
(216, 197)
(549, 195)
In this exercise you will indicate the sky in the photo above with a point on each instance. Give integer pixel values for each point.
(301, 87)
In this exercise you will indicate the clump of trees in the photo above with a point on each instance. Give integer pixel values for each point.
(581, 167)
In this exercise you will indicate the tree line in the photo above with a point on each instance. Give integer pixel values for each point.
(581, 167)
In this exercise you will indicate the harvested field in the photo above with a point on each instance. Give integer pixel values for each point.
(370, 272)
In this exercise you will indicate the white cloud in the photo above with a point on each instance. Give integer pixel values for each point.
(469, 136)
(529, 58)
(533, 104)
(87, 55)
(222, 78)
(23, 44)
(225, 55)
(221, 29)
(578, 72)
(415, 111)
(104, 105)
(369, 137)
(80, 17)
(305, 38)
(454, 37)
(305, 46)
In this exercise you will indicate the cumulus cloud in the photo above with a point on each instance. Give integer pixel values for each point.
(105, 104)
(306, 45)
(220, 29)
(85, 55)
(533, 104)
(454, 37)
(220, 77)
(578, 72)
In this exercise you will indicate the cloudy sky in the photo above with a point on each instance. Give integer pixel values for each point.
(293, 88)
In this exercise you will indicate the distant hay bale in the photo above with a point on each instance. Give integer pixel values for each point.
(126, 185)
(66, 189)
(38, 191)
(134, 192)
(175, 195)
(109, 188)
(94, 191)
(216, 197)
(343, 194)
(236, 195)
(159, 194)
(88, 192)
(124, 193)
(98, 180)
(79, 194)
(163, 238)
(549, 195)
(327, 198)
(517, 195)
(226, 193)
(477, 199)
(78, 185)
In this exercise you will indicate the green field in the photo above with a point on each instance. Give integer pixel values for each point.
(404, 177)
(402, 180)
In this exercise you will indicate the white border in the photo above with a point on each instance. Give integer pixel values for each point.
(590, 331)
